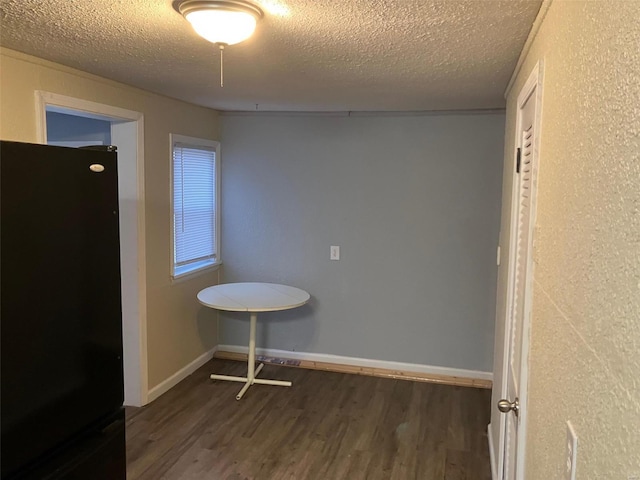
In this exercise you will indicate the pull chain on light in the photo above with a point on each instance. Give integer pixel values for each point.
(221, 45)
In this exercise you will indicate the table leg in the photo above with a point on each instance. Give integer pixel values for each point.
(252, 371)
(252, 347)
(243, 390)
(251, 358)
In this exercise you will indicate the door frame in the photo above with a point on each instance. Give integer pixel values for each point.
(533, 85)
(129, 125)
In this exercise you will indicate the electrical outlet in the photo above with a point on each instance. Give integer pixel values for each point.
(335, 253)
(572, 452)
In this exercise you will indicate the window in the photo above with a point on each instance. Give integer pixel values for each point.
(194, 186)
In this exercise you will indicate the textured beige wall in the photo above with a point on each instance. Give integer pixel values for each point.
(585, 350)
(178, 329)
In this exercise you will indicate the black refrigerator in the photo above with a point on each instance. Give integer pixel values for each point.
(60, 320)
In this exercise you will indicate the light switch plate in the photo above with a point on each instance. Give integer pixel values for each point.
(572, 452)
(335, 252)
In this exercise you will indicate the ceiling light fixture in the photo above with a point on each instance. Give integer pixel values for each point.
(223, 22)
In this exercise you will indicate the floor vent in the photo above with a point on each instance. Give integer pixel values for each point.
(278, 361)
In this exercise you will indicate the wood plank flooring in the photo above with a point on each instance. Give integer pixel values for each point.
(327, 426)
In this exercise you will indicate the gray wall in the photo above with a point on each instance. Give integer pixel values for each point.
(414, 204)
(62, 127)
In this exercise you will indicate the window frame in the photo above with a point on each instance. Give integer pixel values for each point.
(178, 273)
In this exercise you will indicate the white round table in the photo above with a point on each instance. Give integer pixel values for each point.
(253, 298)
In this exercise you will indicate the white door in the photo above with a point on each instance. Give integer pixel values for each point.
(517, 312)
(514, 405)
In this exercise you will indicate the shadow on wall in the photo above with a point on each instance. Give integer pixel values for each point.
(206, 322)
(297, 325)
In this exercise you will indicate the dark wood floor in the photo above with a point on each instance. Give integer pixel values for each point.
(328, 426)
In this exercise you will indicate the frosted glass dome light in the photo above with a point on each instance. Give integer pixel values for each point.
(224, 22)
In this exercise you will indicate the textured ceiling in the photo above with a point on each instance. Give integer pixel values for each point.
(306, 55)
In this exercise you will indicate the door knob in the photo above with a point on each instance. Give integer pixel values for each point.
(505, 406)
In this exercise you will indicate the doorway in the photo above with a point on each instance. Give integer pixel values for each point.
(96, 123)
(68, 130)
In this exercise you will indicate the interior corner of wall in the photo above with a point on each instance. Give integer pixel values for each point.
(533, 33)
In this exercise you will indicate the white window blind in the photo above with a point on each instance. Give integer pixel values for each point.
(194, 207)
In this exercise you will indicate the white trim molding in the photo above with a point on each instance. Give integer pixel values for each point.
(533, 33)
(184, 372)
(364, 363)
(55, 102)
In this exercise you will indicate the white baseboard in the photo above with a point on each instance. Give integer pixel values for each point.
(492, 456)
(362, 362)
(180, 375)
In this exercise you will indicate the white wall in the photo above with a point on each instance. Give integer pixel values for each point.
(414, 204)
(585, 333)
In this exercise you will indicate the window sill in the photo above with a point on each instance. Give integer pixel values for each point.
(190, 271)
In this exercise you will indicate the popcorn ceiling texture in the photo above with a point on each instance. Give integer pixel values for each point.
(324, 55)
(585, 338)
